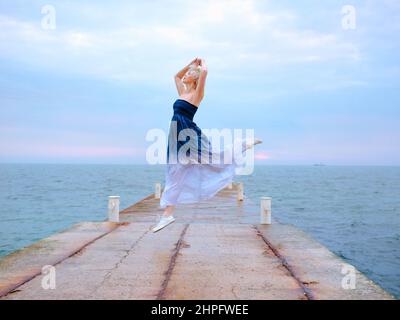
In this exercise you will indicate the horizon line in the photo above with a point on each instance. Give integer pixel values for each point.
(256, 164)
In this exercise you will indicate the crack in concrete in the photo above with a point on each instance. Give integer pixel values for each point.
(234, 293)
(119, 262)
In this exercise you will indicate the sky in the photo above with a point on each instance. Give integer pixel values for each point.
(86, 84)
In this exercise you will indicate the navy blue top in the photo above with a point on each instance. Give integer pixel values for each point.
(184, 112)
(184, 108)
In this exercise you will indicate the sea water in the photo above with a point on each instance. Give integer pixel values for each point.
(352, 210)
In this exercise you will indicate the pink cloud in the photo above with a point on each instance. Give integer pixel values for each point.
(70, 151)
(261, 155)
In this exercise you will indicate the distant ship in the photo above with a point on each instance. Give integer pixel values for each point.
(319, 165)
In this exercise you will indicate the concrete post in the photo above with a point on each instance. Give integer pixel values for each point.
(113, 208)
(265, 212)
(230, 185)
(157, 192)
(240, 192)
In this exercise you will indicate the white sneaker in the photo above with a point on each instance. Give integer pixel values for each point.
(164, 221)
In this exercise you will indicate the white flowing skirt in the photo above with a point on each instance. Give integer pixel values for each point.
(194, 182)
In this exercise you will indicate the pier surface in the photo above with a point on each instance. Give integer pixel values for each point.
(214, 250)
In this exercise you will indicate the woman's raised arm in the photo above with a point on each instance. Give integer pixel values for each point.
(180, 74)
(202, 80)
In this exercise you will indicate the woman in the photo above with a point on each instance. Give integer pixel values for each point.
(192, 176)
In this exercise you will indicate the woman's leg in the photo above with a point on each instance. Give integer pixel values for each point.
(249, 143)
(168, 211)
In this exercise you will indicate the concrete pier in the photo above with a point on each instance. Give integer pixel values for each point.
(217, 249)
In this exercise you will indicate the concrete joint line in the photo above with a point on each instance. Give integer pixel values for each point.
(171, 264)
(14, 288)
(307, 292)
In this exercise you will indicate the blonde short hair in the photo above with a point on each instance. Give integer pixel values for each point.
(195, 68)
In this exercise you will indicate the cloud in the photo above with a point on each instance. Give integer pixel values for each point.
(65, 151)
(261, 155)
(229, 33)
(94, 85)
